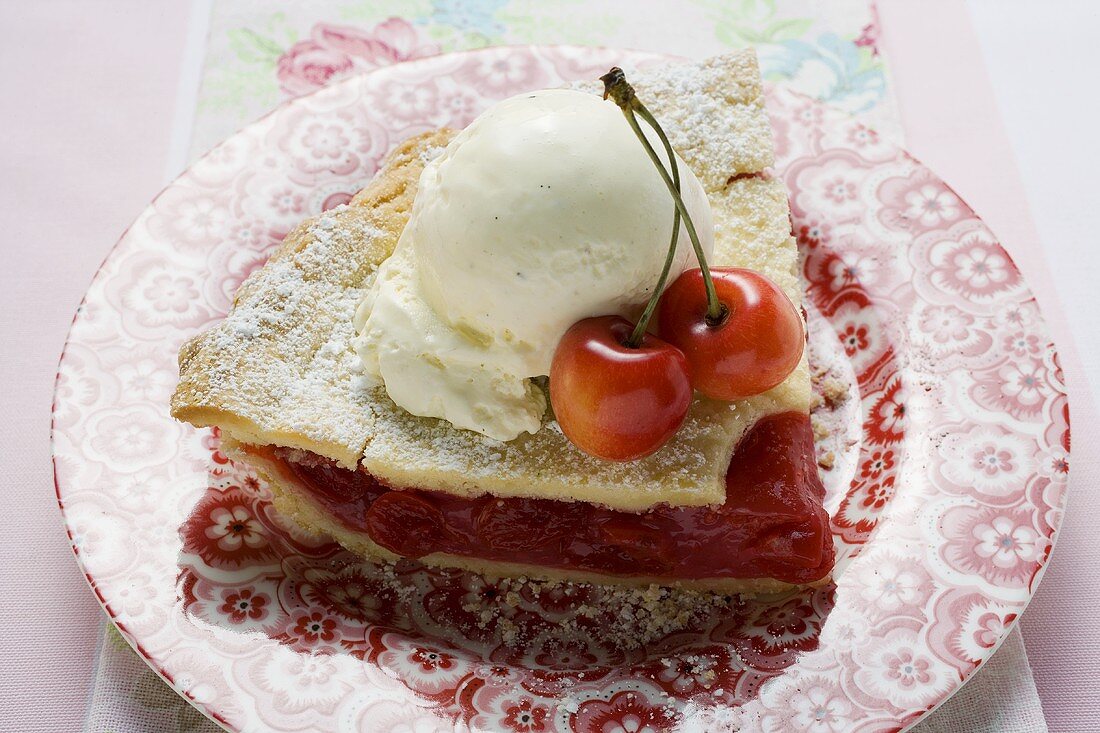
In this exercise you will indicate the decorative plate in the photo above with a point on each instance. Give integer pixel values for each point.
(946, 494)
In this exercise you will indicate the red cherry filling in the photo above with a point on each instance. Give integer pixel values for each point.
(408, 523)
(514, 526)
(341, 491)
(772, 523)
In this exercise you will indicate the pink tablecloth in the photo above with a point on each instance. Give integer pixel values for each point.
(92, 101)
(85, 124)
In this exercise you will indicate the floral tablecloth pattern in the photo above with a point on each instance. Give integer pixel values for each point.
(261, 53)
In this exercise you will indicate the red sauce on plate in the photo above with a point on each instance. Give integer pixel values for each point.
(771, 525)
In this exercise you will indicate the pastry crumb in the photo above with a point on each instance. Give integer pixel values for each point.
(622, 617)
(829, 392)
(833, 391)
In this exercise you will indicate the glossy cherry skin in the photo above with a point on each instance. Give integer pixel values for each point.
(406, 523)
(614, 401)
(757, 343)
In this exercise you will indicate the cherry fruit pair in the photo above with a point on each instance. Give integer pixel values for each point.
(620, 392)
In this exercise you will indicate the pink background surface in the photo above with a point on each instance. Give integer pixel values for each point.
(84, 151)
(81, 155)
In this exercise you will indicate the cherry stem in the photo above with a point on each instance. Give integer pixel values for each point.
(622, 93)
(638, 333)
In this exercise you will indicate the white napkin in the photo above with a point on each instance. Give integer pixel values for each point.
(999, 698)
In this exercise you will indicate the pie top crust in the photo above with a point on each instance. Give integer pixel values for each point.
(279, 370)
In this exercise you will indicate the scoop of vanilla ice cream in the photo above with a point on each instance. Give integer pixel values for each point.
(544, 211)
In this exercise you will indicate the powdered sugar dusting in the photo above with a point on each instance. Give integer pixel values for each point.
(284, 346)
(713, 113)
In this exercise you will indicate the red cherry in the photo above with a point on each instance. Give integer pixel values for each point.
(406, 524)
(615, 401)
(522, 524)
(751, 349)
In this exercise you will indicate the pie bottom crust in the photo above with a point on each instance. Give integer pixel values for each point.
(293, 502)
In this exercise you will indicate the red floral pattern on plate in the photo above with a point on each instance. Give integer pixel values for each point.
(945, 505)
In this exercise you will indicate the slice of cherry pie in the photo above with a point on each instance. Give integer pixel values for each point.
(733, 502)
